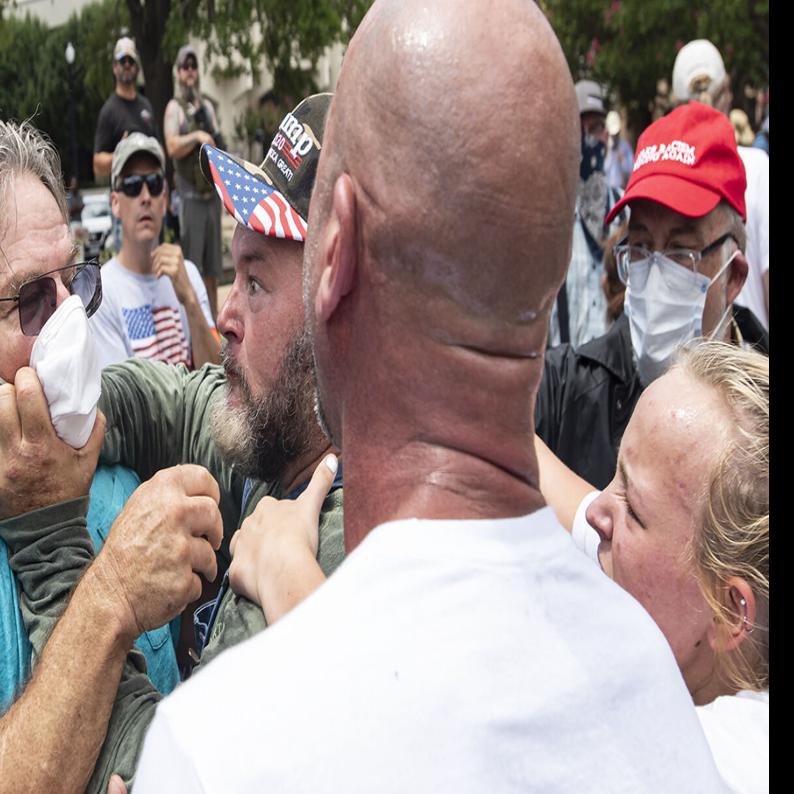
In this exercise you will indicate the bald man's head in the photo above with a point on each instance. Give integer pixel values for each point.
(463, 146)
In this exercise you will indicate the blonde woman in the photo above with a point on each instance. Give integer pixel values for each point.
(684, 527)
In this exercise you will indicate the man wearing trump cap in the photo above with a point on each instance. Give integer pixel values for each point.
(683, 265)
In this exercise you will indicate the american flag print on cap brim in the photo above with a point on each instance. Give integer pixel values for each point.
(251, 200)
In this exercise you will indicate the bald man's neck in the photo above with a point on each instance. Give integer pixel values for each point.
(442, 429)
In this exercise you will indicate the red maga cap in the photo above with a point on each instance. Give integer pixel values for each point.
(687, 161)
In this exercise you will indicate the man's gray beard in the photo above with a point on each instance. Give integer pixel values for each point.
(262, 436)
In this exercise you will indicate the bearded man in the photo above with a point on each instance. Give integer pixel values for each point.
(250, 423)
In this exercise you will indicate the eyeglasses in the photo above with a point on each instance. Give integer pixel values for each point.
(37, 299)
(626, 255)
(127, 60)
(192, 65)
(132, 184)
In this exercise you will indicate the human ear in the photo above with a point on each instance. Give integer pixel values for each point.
(114, 204)
(737, 275)
(740, 605)
(338, 255)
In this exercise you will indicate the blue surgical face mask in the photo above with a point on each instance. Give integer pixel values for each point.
(664, 305)
(593, 153)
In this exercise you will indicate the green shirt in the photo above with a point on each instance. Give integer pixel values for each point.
(157, 416)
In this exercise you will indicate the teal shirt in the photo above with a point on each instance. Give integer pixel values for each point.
(110, 489)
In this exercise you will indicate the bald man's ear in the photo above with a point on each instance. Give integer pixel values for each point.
(339, 250)
(737, 275)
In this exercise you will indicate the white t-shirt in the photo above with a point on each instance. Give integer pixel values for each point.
(737, 729)
(756, 166)
(140, 315)
(442, 656)
(736, 726)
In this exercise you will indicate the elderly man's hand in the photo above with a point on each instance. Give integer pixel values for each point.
(37, 468)
(274, 552)
(165, 536)
(168, 260)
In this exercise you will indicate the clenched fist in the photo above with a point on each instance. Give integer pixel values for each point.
(165, 536)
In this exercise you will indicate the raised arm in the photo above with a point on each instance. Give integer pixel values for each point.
(205, 346)
(81, 688)
(274, 553)
(158, 415)
(561, 487)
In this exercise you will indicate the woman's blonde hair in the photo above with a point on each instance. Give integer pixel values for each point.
(734, 540)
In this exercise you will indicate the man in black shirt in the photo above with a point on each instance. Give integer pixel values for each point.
(124, 111)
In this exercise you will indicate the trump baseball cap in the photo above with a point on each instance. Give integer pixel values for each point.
(273, 198)
(687, 161)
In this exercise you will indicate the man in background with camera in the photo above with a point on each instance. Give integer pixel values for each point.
(190, 122)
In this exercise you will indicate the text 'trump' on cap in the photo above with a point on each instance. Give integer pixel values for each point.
(273, 198)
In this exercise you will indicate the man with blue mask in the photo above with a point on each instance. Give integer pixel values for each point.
(580, 311)
(683, 265)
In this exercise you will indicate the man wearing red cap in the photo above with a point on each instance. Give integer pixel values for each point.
(683, 265)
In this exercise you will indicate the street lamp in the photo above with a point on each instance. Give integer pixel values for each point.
(70, 55)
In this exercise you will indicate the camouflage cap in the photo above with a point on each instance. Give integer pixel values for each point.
(273, 198)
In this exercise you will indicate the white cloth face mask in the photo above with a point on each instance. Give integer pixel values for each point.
(65, 359)
(664, 305)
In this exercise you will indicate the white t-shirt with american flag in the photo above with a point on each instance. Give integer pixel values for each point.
(140, 315)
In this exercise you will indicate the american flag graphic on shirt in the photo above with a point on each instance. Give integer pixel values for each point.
(251, 201)
(157, 333)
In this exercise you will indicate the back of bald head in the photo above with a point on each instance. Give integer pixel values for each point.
(458, 123)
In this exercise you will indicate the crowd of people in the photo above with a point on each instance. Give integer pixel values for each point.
(502, 481)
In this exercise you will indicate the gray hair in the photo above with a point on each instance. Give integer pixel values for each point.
(26, 150)
(735, 224)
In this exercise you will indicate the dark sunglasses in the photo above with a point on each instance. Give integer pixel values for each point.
(133, 184)
(37, 299)
(189, 65)
(127, 61)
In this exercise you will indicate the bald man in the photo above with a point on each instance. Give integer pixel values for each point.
(464, 645)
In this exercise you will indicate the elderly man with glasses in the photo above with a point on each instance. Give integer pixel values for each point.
(155, 305)
(683, 265)
(45, 480)
(189, 123)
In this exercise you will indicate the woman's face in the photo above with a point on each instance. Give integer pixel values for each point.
(648, 515)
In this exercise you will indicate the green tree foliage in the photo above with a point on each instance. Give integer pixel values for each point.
(284, 36)
(631, 44)
(34, 75)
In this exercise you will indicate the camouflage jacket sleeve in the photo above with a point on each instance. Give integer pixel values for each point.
(158, 415)
(48, 551)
